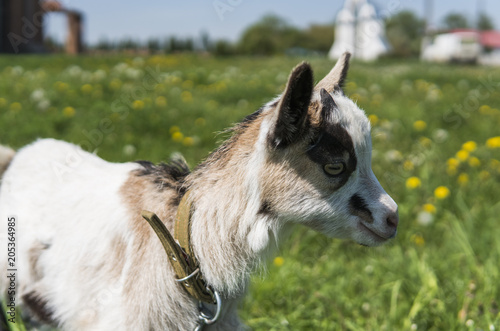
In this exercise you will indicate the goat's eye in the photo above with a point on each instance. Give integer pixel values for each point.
(334, 169)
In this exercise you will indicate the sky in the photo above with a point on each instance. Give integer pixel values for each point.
(227, 19)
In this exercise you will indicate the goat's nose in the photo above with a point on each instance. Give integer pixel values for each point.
(392, 219)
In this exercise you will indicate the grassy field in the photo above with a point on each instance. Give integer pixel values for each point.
(436, 137)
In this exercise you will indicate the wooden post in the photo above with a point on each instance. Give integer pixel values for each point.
(74, 40)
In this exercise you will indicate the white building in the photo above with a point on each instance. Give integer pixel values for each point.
(360, 31)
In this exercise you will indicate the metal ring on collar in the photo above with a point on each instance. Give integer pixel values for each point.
(180, 280)
(209, 319)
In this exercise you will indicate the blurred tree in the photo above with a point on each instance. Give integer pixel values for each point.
(485, 22)
(188, 45)
(455, 21)
(270, 35)
(104, 45)
(404, 32)
(223, 48)
(153, 45)
(318, 38)
(206, 44)
(128, 44)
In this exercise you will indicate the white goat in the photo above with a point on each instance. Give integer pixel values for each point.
(88, 261)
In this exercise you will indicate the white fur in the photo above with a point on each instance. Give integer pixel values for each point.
(61, 210)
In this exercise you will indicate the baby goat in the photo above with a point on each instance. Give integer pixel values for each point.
(88, 261)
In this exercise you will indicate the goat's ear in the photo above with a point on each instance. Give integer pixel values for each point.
(329, 107)
(335, 79)
(291, 112)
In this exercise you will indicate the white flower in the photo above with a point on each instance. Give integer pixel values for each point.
(37, 95)
(74, 70)
(43, 104)
(440, 135)
(425, 218)
(17, 70)
(99, 75)
(393, 155)
(129, 150)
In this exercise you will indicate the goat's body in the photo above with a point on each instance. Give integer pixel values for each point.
(86, 259)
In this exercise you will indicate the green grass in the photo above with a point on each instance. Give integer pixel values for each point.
(440, 273)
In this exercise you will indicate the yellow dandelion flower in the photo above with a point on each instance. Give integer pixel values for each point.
(413, 183)
(430, 208)
(186, 96)
(419, 125)
(452, 165)
(452, 162)
(86, 89)
(484, 109)
(356, 97)
(422, 85)
(278, 261)
(160, 88)
(173, 129)
(424, 141)
(200, 121)
(375, 103)
(474, 162)
(212, 104)
(220, 86)
(463, 178)
(484, 175)
(69, 112)
(418, 239)
(187, 84)
(177, 137)
(16, 106)
(188, 141)
(408, 165)
(3, 102)
(61, 86)
(138, 104)
(115, 84)
(469, 146)
(351, 86)
(161, 101)
(493, 142)
(462, 155)
(373, 119)
(452, 171)
(495, 164)
(441, 192)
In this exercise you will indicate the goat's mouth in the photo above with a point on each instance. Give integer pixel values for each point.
(375, 235)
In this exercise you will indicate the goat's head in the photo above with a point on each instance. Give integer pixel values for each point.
(317, 168)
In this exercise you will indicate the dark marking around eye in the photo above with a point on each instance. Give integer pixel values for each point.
(333, 145)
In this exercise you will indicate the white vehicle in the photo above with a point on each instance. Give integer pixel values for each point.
(452, 47)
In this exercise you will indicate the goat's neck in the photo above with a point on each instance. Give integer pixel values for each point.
(230, 234)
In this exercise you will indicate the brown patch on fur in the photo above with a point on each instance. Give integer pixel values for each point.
(238, 145)
(38, 306)
(117, 257)
(34, 254)
(6, 156)
(140, 192)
